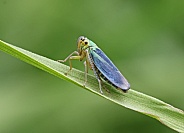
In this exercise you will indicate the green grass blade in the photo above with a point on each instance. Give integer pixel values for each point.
(163, 112)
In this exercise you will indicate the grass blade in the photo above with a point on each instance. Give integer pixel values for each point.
(163, 112)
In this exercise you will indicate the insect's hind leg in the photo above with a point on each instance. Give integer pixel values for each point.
(103, 85)
(98, 79)
(86, 72)
(100, 84)
(86, 79)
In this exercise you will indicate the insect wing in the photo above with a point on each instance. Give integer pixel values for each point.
(108, 69)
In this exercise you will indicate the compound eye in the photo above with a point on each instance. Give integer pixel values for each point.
(81, 38)
(86, 43)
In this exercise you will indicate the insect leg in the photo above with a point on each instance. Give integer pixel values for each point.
(98, 79)
(86, 72)
(103, 86)
(75, 52)
(70, 57)
(100, 84)
(91, 64)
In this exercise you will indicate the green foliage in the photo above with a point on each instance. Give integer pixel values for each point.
(165, 113)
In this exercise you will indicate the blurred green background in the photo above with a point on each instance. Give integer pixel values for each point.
(144, 39)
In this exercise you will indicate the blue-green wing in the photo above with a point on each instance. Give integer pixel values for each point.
(108, 69)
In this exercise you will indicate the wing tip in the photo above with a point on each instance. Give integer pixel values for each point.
(125, 88)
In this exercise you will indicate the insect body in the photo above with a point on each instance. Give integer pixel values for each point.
(101, 65)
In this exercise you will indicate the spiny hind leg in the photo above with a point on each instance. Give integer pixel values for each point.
(86, 72)
(100, 84)
(103, 86)
(99, 80)
(70, 57)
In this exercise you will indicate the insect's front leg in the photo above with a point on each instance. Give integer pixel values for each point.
(70, 57)
(75, 52)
